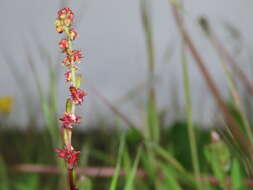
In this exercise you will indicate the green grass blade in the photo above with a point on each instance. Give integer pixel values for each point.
(85, 184)
(237, 177)
(130, 180)
(185, 175)
(113, 184)
(152, 112)
(191, 132)
(4, 184)
(170, 178)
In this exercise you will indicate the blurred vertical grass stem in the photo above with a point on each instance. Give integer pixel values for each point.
(152, 113)
(191, 132)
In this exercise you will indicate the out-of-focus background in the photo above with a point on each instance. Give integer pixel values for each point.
(113, 42)
(121, 42)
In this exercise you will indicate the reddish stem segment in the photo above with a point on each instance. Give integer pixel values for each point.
(71, 180)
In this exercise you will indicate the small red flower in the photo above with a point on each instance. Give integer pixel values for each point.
(64, 44)
(72, 34)
(76, 55)
(62, 13)
(66, 15)
(62, 152)
(71, 156)
(65, 12)
(69, 119)
(66, 61)
(68, 76)
(77, 95)
(58, 25)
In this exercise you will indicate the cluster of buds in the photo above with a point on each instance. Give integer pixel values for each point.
(69, 119)
(65, 19)
(70, 155)
(73, 56)
(63, 23)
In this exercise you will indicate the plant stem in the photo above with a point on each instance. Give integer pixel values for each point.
(191, 132)
(152, 112)
(71, 180)
(68, 131)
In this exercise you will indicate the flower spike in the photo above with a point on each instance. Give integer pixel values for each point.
(63, 23)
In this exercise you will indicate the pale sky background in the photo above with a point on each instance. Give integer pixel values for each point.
(112, 40)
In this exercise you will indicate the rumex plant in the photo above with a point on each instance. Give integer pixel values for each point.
(69, 119)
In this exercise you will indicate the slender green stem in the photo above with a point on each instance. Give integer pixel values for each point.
(152, 112)
(191, 132)
(67, 131)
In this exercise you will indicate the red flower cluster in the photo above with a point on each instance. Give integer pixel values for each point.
(69, 119)
(63, 23)
(64, 44)
(72, 57)
(76, 55)
(71, 156)
(77, 95)
(65, 18)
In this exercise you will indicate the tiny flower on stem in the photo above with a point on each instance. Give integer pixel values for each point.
(64, 44)
(59, 26)
(76, 55)
(68, 76)
(66, 15)
(71, 156)
(77, 95)
(72, 57)
(69, 119)
(72, 34)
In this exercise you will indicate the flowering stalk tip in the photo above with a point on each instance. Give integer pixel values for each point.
(63, 23)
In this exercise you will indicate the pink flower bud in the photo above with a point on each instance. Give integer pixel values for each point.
(66, 15)
(64, 44)
(76, 56)
(77, 95)
(69, 119)
(58, 25)
(72, 34)
(68, 76)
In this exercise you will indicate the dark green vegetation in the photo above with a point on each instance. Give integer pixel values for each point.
(172, 159)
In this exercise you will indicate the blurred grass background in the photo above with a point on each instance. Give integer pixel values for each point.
(150, 144)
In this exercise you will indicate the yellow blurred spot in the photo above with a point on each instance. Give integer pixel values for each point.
(6, 104)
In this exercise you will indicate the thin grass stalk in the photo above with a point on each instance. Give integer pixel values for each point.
(242, 76)
(191, 132)
(152, 115)
(238, 105)
(116, 174)
(131, 178)
(233, 126)
(168, 158)
(231, 61)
